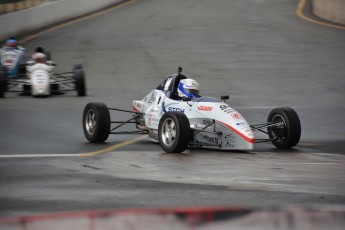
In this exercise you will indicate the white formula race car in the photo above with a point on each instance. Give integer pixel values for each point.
(201, 122)
(40, 80)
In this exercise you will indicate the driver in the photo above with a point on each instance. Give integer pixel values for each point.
(39, 57)
(188, 88)
(12, 44)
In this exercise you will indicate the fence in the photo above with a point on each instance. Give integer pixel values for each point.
(9, 6)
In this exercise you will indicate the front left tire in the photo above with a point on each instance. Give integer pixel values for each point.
(96, 122)
(174, 132)
(3, 83)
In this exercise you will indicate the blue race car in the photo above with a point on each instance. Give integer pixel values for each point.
(12, 59)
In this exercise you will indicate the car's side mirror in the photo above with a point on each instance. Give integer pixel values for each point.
(224, 98)
(30, 62)
(186, 99)
(52, 63)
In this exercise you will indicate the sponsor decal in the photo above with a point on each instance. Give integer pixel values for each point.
(222, 107)
(209, 138)
(229, 140)
(240, 123)
(171, 108)
(229, 144)
(206, 122)
(205, 108)
(236, 115)
(152, 98)
(175, 109)
(226, 108)
(229, 136)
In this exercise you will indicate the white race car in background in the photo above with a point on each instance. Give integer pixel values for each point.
(202, 122)
(41, 81)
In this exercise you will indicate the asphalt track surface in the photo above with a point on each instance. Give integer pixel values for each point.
(257, 51)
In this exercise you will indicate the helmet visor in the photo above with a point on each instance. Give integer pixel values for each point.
(194, 92)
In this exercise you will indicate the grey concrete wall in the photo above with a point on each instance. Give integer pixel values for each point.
(331, 10)
(24, 21)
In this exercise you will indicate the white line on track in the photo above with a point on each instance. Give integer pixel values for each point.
(305, 163)
(38, 155)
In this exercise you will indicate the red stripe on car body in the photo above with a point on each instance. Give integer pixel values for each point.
(250, 140)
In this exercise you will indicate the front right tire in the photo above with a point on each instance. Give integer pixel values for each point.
(3, 68)
(96, 122)
(80, 83)
(3, 83)
(287, 134)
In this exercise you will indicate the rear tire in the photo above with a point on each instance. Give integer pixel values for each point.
(26, 90)
(174, 132)
(96, 122)
(3, 83)
(48, 54)
(77, 66)
(288, 134)
(3, 68)
(80, 84)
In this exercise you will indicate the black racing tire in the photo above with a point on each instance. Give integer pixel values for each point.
(22, 71)
(26, 90)
(48, 55)
(80, 83)
(96, 122)
(287, 135)
(174, 132)
(3, 83)
(77, 66)
(3, 68)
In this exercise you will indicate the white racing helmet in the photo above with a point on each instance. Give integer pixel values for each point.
(39, 57)
(188, 88)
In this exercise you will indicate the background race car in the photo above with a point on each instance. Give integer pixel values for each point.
(39, 78)
(42, 82)
(12, 58)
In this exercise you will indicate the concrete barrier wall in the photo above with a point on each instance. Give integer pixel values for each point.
(331, 10)
(24, 21)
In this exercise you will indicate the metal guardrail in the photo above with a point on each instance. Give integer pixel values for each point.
(9, 6)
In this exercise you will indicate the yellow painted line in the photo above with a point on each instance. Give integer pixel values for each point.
(110, 148)
(113, 147)
(299, 12)
(79, 19)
